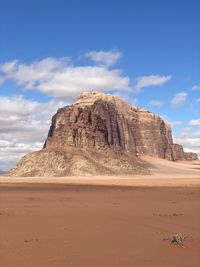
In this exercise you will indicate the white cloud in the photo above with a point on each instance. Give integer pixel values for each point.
(194, 122)
(156, 103)
(56, 77)
(104, 58)
(75, 80)
(198, 100)
(24, 127)
(8, 66)
(196, 88)
(17, 106)
(179, 99)
(11, 154)
(151, 80)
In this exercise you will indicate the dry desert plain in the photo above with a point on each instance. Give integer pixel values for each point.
(102, 221)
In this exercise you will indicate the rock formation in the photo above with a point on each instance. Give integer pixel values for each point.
(180, 154)
(100, 121)
(191, 156)
(100, 134)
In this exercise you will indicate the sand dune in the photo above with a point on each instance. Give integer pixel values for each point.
(163, 173)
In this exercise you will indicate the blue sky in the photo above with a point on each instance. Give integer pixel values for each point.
(148, 52)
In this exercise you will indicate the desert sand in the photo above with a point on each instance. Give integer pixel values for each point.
(162, 173)
(102, 221)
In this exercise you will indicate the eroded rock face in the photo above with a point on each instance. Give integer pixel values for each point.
(101, 134)
(95, 126)
(179, 152)
(99, 122)
(191, 156)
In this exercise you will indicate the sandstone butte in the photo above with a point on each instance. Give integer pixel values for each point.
(101, 134)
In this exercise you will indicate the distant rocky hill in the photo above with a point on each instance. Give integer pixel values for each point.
(101, 134)
(179, 154)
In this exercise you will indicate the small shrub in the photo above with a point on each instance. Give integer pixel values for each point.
(177, 239)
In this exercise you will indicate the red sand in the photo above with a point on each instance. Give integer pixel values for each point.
(48, 222)
(63, 225)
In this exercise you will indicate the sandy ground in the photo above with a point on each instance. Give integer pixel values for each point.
(62, 225)
(102, 221)
(163, 173)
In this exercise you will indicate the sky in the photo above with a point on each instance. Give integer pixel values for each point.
(146, 52)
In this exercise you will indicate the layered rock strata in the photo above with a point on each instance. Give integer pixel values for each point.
(101, 121)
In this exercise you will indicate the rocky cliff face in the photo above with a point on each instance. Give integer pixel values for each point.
(179, 153)
(191, 156)
(101, 121)
(100, 134)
